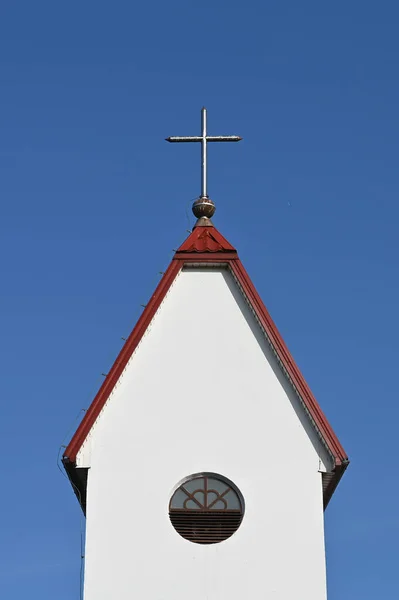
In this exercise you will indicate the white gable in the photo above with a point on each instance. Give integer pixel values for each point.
(204, 392)
(205, 334)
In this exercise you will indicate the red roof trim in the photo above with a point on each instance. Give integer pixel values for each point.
(288, 363)
(121, 362)
(190, 252)
(215, 257)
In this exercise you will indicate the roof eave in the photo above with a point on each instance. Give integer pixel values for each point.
(334, 479)
(78, 479)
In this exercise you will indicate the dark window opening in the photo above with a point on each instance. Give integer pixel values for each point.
(206, 509)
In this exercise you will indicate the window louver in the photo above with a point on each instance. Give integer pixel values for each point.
(206, 509)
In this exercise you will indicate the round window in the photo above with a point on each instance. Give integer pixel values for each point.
(206, 508)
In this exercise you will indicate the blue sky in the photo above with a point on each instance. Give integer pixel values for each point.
(93, 200)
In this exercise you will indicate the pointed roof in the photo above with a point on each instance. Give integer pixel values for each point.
(206, 245)
(206, 238)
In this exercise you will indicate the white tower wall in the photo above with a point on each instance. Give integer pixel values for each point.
(204, 392)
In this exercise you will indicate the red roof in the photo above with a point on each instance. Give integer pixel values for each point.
(205, 244)
(206, 239)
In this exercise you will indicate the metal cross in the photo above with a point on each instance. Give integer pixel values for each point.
(204, 139)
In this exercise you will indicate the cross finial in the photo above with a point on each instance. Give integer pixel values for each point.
(203, 206)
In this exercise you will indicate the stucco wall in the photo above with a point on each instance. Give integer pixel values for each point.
(203, 392)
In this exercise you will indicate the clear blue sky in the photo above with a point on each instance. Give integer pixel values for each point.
(93, 200)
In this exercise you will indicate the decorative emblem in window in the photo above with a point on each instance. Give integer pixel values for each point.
(206, 508)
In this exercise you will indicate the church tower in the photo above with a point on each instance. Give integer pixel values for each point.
(204, 463)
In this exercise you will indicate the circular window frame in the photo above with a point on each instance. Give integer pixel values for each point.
(204, 516)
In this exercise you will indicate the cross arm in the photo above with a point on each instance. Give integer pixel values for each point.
(209, 138)
(178, 138)
(223, 138)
